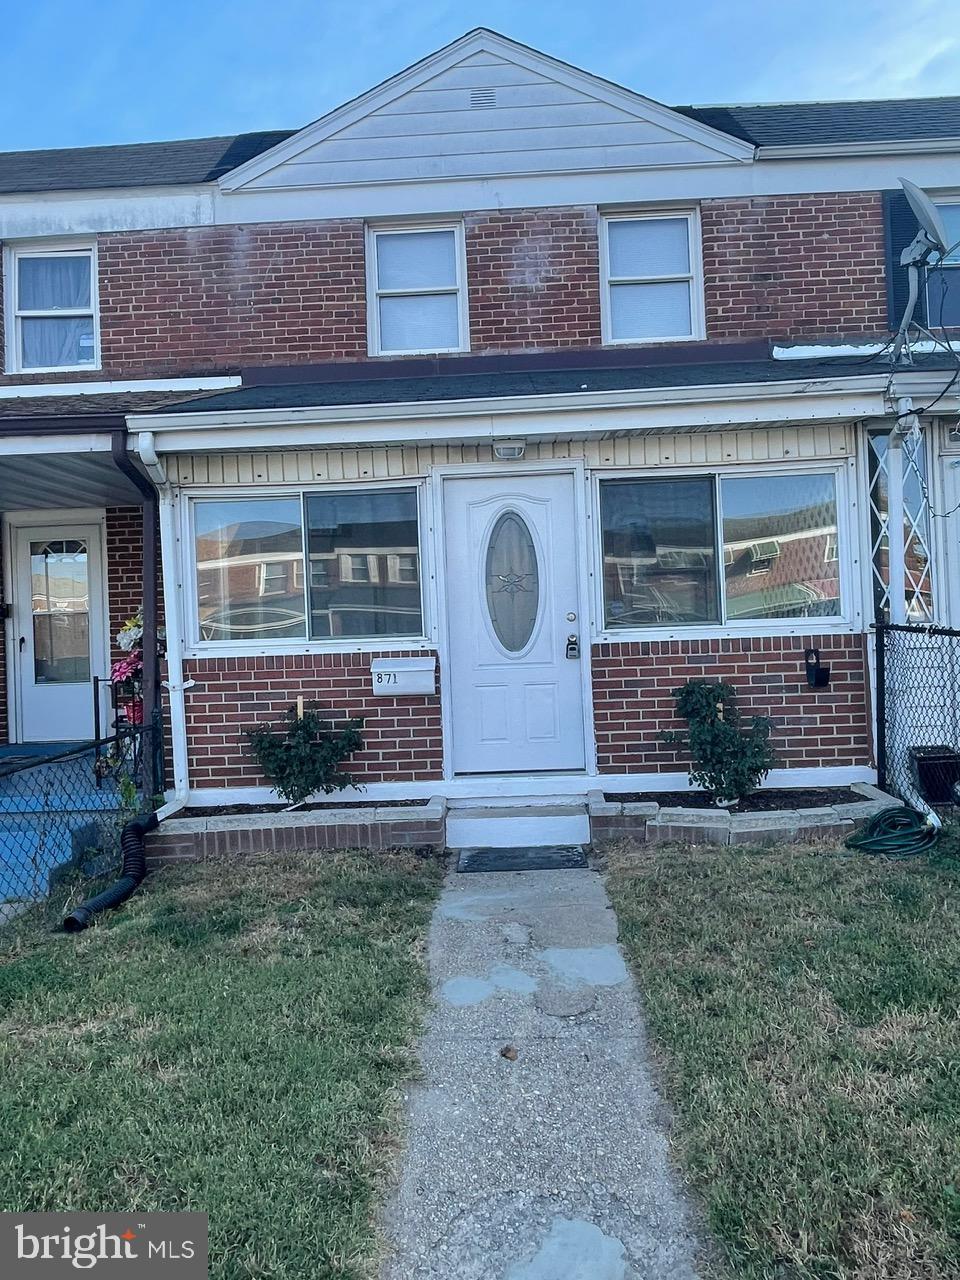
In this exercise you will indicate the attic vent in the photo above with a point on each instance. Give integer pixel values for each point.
(483, 97)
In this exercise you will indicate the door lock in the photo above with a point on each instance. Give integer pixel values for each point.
(573, 646)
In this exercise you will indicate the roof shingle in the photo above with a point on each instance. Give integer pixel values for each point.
(139, 164)
(199, 160)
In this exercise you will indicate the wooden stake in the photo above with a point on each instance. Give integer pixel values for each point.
(300, 707)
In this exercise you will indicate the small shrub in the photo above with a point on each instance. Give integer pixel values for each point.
(728, 760)
(305, 757)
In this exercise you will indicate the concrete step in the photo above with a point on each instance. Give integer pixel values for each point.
(517, 826)
(547, 800)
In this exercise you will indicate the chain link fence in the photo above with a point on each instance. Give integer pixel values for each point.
(918, 713)
(61, 815)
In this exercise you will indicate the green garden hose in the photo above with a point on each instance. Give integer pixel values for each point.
(895, 833)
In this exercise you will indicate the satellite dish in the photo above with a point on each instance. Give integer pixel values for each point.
(927, 214)
(931, 238)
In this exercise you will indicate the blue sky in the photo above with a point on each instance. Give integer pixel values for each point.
(137, 70)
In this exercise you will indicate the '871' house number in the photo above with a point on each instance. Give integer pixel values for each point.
(396, 677)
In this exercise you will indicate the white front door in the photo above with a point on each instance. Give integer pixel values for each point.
(59, 630)
(515, 678)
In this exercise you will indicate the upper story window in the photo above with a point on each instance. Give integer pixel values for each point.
(52, 309)
(652, 287)
(943, 286)
(416, 290)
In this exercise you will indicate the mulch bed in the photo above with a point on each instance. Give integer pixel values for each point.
(758, 802)
(233, 810)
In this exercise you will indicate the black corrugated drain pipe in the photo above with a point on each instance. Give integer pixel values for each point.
(132, 871)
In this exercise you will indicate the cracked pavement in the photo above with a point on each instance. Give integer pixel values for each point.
(553, 1164)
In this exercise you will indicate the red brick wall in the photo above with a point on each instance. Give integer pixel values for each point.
(214, 299)
(792, 266)
(633, 706)
(402, 740)
(534, 279)
(124, 569)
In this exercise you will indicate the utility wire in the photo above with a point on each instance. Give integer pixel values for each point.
(915, 437)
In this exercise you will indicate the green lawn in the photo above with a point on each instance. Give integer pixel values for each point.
(805, 1002)
(232, 1041)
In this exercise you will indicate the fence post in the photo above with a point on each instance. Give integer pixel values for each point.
(881, 633)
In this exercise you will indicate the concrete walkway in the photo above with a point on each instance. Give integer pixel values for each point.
(550, 1165)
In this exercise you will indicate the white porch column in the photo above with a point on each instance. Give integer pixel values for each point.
(896, 552)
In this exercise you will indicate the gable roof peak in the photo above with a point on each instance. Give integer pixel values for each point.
(450, 69)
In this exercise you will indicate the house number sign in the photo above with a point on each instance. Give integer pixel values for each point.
(401, 677)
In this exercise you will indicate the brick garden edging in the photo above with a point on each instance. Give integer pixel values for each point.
(650, 824)
(424, 827)
(389, 827)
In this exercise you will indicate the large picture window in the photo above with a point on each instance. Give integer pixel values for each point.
(363, 580)
(53, 314)
(776, 537)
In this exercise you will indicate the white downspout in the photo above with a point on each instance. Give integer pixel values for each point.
(173, 622)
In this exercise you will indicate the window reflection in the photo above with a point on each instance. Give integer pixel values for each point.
(780, 557)
(250, 569)
(658, 552)
(60, 598)
(364, 564)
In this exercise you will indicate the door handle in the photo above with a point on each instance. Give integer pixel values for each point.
(573, 646)
(23, 641)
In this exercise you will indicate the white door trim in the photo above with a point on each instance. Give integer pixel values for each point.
(451, 471)
(12, 522)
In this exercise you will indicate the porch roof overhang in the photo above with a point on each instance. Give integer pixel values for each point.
(544, 404)
(51, 466)
(56, 450)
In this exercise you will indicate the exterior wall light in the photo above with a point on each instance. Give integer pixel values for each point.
(509, 450)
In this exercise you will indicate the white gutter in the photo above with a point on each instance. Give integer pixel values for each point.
(658, 407)
(891, 147)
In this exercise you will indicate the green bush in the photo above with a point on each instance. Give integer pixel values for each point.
(728, 760)
(305, 757)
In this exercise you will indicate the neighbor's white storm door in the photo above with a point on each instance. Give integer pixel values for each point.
(514, 664)
(59, 630)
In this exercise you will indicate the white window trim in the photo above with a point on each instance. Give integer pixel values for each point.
(12, 314)
(948, 267)
(848, 537)
(196, 647)
(374, 292)
(694, 276)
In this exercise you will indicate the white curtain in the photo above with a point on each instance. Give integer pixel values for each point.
(54, 284)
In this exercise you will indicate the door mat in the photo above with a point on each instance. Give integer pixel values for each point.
(547, 858)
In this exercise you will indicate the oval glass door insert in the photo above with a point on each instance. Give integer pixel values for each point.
(513, 582)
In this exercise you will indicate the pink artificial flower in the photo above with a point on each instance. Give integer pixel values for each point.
(127, 668)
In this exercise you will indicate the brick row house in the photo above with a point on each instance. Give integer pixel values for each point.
(490, 407)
